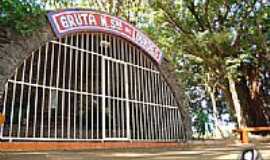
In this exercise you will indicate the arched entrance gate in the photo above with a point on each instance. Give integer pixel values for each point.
(90, 85)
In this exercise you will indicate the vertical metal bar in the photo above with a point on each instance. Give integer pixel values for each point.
(117, 91)
(154, 85)
(143, 134)
(21, 101)
(178, 125)
(69, 87)
(97, 82)
(159, 123)
(109, 93)
(167, 124)
(137, 121)
(103, 97)
(50, 100)
(147, 121)
(113, 94)
(162, 111)
(81, 87)
(136, 88)
(144, 129)
(63, 93)
(168, 113)
(43, 90)
(12, 105)
(146, 99)
(149, 79)
(180, 128)
(139, 98)
(133, 106)
(167, 120)
(117, 101)
(174, 124)
(127, 103)
(157, 90)
(165, 112)
(92, 87)
(36, 100)
(103, 88)
(109, 90)
(170, 123)
(86, 84)
(120, 94)
(133, 120)
(114, 81)
(75, 87)
(29, 92)
(155, 127)
(164, 132)
(151, 114)
(122, 91)
(114, 118)
(161, 91)
(57, 92)
(149, 95)
(153, 100)
(144, 107)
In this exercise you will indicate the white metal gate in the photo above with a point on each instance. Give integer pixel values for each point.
(89, 86)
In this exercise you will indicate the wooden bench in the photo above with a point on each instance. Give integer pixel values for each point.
(244, 132)
(2, 118)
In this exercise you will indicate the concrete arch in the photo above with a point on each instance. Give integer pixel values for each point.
(14, 48)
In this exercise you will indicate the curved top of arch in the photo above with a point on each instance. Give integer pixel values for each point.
(76, 20)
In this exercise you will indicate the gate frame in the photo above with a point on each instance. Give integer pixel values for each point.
(15, 45)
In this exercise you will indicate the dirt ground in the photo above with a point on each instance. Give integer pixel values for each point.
(192, 152)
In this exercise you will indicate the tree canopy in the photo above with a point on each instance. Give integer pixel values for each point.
(227, 43)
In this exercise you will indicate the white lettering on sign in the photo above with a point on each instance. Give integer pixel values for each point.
(92, 20)
(64, 22)
(69, 21)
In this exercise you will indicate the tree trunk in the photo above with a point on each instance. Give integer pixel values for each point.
(236, 103)
(215, 113)
(255, 111)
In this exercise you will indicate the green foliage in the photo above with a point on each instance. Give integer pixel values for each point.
(58, 3)
(211, 40)
(22, 16)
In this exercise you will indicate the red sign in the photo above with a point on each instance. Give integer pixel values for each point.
(69, 21)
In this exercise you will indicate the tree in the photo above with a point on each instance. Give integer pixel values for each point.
(228, 39)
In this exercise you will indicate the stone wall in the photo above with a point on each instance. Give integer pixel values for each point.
(15, 48)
